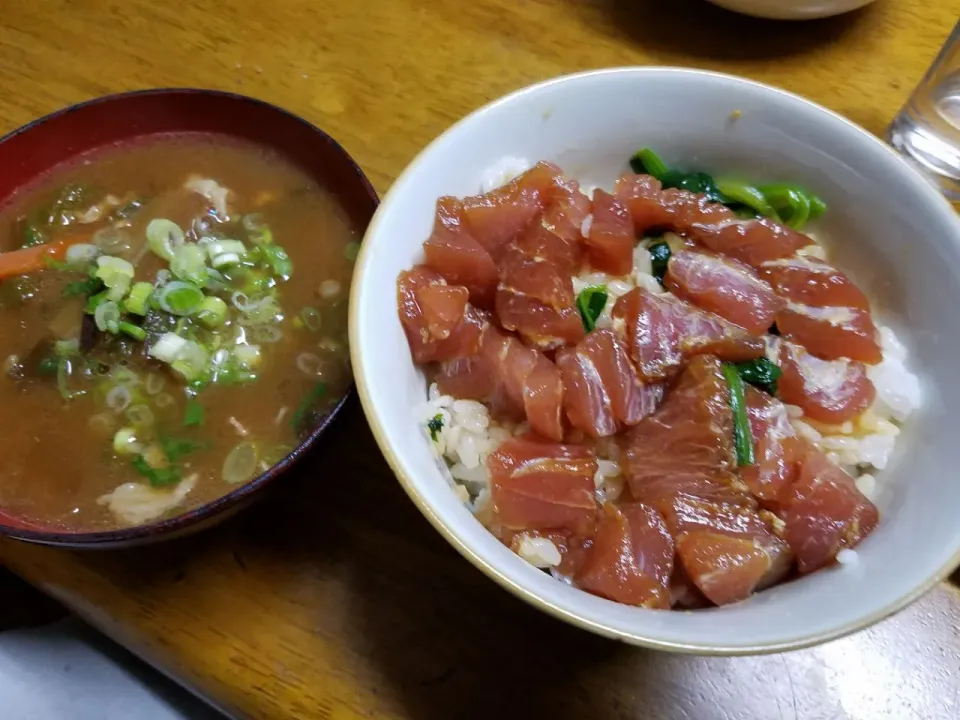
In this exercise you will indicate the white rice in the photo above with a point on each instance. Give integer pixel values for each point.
(538, 551)
(846, 556)
(867, 443)
(502, 172)
(861, 447)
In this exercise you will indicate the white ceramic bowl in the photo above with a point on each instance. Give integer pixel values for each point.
(792, 9)
(891, 230)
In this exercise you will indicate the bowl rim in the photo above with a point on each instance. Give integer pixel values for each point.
(176, 524)
(798, 640)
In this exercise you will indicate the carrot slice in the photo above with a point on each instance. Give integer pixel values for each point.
(31, 259)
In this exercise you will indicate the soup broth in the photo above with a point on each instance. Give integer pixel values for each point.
(125, 404)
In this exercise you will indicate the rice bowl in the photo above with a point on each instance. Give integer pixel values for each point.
(548, 124)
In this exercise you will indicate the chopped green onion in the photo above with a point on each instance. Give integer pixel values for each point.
(113, 270)
(257, 312)
(761, 373)
(311, 319)
(66, 348)
(590, 303)
(745, 194)
(180, 298)
(107, 317)
(94, 301)
(176, 448)
(351, 251)
(32, 235)
(250, 280)
(158, 477)
(54, 264)
(791, 203)
(659, 259)
(117, 274)
(648, 162)
(189, 263)
(257, 230)
(87, 287)
(212, 312)
(435, 425)
(64, 371)
(318, 391)
(185, 356)
(134, 331)
(224, 253)
(48, 366)
(81, 254)
(163, 237)
(216, 281)
(191, 361)
(167, 347)
(194, 414)
(742, 435)
(240, 464)
(247, 355)
(136, 302)
(125, 442)
(278, 260)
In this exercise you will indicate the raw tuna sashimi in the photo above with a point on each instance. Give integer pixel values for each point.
(516, 380)
(686, 446)
(452, 251)
(498, 217)
(813, 282)
(539, 242)
(631, 558)
(724, 286)
(662, 331)
(611, 238)
(711, 224)
(728, 551)
(604, 393)
(824, 512)
(776, 449)
(681, 461)
(831, 332)
(535, 298)
(564, 207)
(439, 322)
(543, 486)
(829, 391)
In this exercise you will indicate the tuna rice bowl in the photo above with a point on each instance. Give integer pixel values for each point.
(661, 392)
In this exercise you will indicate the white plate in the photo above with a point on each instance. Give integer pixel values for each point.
(791, 9)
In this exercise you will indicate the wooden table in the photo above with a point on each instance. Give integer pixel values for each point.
(334, 598)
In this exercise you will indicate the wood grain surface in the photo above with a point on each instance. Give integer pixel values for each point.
(334, 598)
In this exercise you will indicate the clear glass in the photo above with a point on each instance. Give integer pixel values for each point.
(927, 129)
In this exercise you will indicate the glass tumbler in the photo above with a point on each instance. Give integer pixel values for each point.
(927, 129)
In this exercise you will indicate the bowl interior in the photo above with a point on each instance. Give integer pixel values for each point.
(57, 139)
(885, 225)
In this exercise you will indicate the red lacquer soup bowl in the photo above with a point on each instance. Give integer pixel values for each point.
(52, 142)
